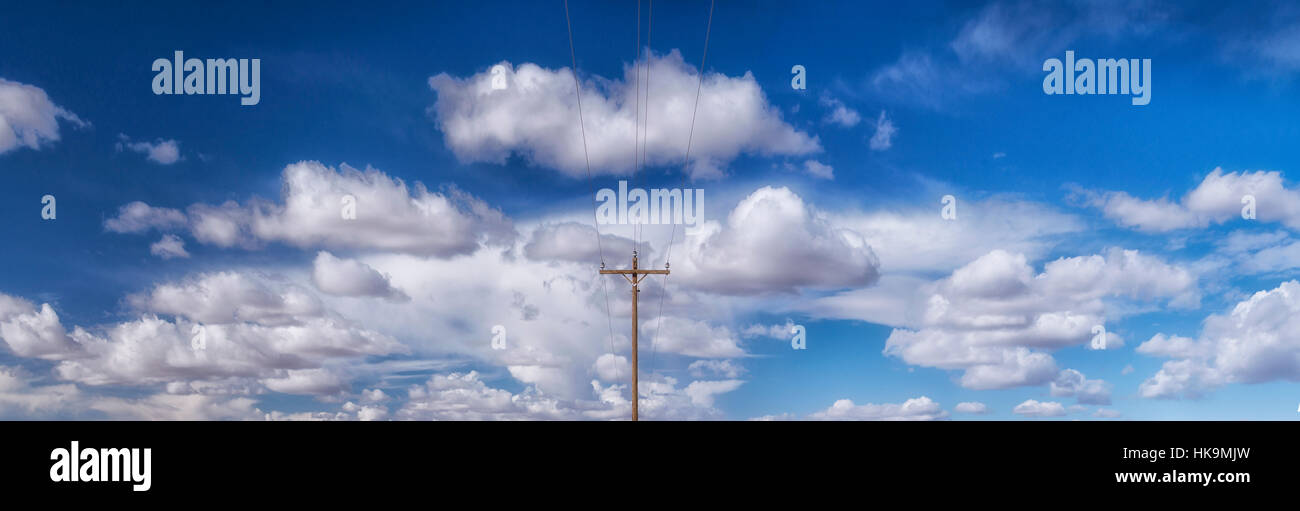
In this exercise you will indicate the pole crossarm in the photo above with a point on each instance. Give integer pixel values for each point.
(634, 279)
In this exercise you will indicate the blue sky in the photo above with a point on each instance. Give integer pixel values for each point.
(186, 213)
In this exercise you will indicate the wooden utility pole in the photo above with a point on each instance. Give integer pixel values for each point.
(637, 275)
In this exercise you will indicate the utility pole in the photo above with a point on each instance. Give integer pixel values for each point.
(637, 275)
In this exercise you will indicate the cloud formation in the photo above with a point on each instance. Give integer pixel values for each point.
(773, 242)
(920, 240)
(840, 113)
(137, 217)
(916, 409)
(995, 318)
(883, 138)
(975, 407)
(1256, 341)
(349, 277)
(1221, 197)
(30, 331)
(160, 151)
(1072, 383)
(1034, 408)
(576, 242)
(694, 338)
(169, 247)
(28, 118)
(536, 116)
(818, 169)
(322, 207)
(228, 333)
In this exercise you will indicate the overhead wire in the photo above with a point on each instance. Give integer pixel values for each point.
(640, 154)
(590, 181)
(685, 168)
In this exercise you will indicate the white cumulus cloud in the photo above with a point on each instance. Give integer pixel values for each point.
(773, 242)
(1072, 383)
(1033, 408)
(169, 247)
(28, 118)
(995, 318)
(1257, 341)
(1220, 198)
(972, 407)
(916, 409)
(536, 116)
(313, 213)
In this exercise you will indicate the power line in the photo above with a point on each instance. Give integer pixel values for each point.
(636, 275)
(691, 134)
(590, 181)
(645, 136)
(636, 128)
